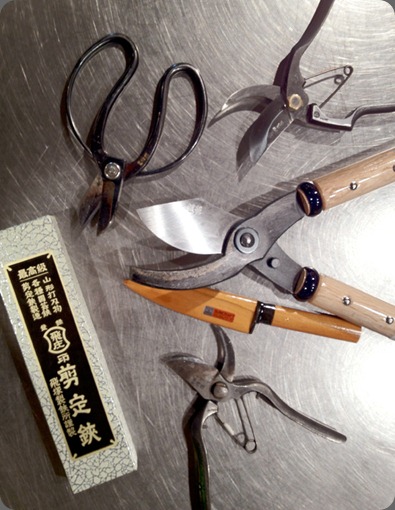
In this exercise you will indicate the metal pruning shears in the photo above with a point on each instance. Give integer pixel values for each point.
(104, 193)
(191, 224)
(216, 385)
(287, 101)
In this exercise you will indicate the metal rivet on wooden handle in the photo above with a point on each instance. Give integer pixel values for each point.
(355, 306)
(356, 179)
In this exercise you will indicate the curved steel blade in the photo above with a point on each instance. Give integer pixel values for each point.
(194, 371)
(194, 225)
(90, 204)
(254, 98)
(109, 203)
(267, 128)
(268, 225)
(226, 361)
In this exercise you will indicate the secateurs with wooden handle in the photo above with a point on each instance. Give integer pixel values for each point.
(252, 242)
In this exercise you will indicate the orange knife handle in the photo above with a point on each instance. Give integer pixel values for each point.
(242, 314)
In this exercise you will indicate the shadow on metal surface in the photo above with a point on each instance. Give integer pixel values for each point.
(392, 505)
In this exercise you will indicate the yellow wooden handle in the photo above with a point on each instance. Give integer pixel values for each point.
(355, 306)
(242, 314)
(209, 305)
(356, 179)
(316, 324)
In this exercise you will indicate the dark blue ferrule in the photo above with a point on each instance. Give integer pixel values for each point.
(309, 198)
(307, 286)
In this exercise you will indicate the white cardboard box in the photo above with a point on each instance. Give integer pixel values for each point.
(63, 355)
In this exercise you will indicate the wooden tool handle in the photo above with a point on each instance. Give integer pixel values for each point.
(355, 306)
(242, 314)
(316, 324)
(356, 179)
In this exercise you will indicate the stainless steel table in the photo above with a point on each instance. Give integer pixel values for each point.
(348, 386)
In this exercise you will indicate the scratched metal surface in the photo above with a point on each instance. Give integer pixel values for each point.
(350, 387)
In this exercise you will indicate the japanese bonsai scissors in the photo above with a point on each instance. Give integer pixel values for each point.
(216, 385)
(104, 193)
(253, 242)
(286, 100)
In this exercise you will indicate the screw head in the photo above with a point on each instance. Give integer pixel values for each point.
(389, 320)
(353, 185)
(346, 301)
(220, 390)
(295, 102)
(112, 171)
(246, 240)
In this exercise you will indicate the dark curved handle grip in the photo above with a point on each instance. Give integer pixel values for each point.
(159, 116)
(288, 75)
(197, 454)
(268, 395)
(318, 117)
(131, 62)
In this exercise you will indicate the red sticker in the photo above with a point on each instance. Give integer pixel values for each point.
(219, 314)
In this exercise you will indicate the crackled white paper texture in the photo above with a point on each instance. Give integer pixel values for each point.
(25, 241)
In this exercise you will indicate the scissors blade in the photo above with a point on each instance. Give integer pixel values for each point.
(193, 225)
(109, 202)
(269, 224)
(254, 98)
(273, 121)
(194, 371)
(91, 201)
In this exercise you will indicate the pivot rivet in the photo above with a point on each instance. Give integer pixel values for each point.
(295, 102)
(346, 301)
(112, 171)
(246, 240)
(220, 390)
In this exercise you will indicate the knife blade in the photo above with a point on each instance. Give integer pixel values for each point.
(243, 314)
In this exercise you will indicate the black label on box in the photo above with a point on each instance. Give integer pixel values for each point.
(57, 342)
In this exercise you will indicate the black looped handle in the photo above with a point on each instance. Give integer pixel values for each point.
(131, 62)
(159, 117)
(95, 148)
(288, 75)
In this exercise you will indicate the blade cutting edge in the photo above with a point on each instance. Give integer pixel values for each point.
(193, 225)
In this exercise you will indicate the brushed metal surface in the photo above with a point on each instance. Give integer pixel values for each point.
(350, 387)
